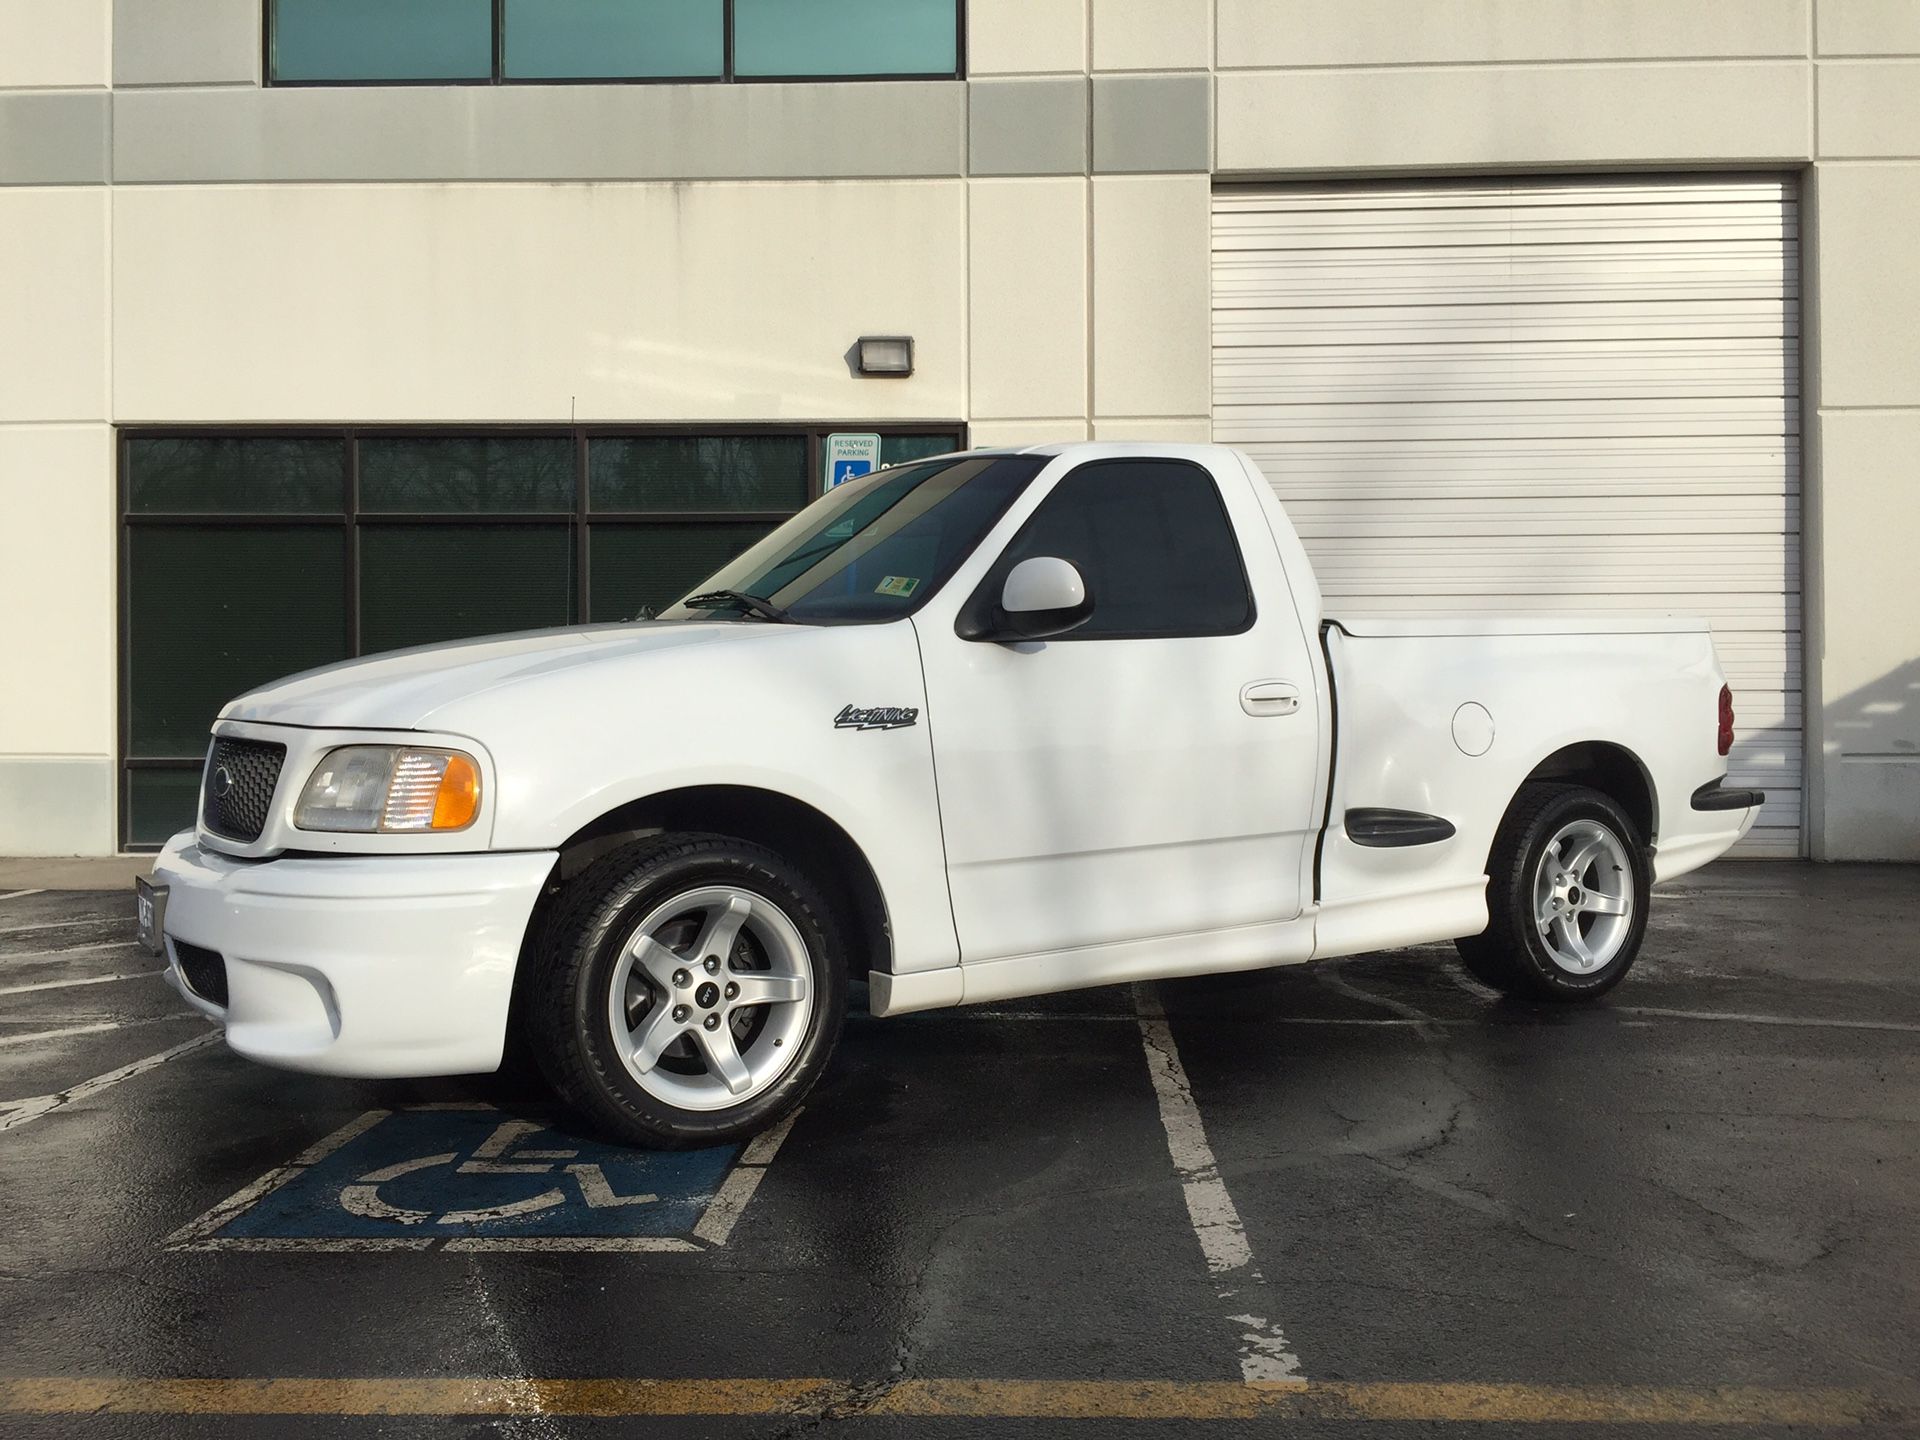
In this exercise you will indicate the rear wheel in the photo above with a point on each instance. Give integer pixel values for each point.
(1567, 896)
(689, 990)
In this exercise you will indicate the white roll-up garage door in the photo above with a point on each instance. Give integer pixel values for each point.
(1538, 396)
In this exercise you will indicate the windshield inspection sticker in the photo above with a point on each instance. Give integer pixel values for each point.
(897, 585)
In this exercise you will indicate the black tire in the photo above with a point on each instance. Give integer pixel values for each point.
(1511, 954)
(579, 941)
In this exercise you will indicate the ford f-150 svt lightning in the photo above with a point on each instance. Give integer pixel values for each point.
(980, 726)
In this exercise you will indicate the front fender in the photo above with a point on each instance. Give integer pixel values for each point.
(763, 712)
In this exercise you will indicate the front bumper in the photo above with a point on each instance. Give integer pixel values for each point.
(373, 965)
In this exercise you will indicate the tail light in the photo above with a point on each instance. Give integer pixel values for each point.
(1726, 719)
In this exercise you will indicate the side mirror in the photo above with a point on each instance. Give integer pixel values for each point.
(1043, 596)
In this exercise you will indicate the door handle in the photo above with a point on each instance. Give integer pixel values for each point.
(1270, 697)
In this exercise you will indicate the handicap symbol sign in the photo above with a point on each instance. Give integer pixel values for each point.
(845, 470)
(475, 1177)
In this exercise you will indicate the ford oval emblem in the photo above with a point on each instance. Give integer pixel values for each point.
(220, 783)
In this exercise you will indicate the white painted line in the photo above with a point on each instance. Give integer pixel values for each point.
(21, 894)
(1328, 974)
(716, 1222)
(1265, 1354)
(70, 950)
(64, 924)
(59, 1034)
(264, 1242)
(248, 1195)
(1735, 1018)
(24, 1112)
(70, 984)
(572, 1242)
(326, 1145)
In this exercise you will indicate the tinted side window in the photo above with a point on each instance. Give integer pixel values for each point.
(1153, 542)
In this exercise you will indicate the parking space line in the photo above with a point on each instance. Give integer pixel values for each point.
(1367, 1401)
(243, 1198)
(20, 894)
(723, 1211)
(1735, 1018)
(659, 1244)
(59, 1034)
(92, 949)
(16, 1113)
(1265, 1354)
(70, 984)
(720, 1196)
(62, 924)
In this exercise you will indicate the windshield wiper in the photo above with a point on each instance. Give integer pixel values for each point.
(752, 604)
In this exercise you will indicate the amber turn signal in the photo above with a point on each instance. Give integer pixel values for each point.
(458, 800)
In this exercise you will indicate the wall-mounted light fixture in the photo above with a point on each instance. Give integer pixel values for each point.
(890, 355)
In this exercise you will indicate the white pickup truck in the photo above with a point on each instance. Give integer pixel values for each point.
(986, 725)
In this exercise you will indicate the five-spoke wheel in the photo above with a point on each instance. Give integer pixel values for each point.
(1566, 896)
(686, 990)
(710, 994)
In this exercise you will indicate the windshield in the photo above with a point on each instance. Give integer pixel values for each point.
(874, 548)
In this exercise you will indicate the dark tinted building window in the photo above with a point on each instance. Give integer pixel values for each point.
(250, 556)
(346, 42)
(1154, 545)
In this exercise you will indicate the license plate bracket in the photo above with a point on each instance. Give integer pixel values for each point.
(150, 916)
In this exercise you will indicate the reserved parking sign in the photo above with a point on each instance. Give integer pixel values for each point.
(851, 456)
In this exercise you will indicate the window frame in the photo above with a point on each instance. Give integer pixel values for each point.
(578, 519)
(985, 599)
(727, 76)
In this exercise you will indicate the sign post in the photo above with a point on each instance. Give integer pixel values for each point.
(849, 457)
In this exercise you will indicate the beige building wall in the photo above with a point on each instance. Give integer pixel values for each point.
(189, 246)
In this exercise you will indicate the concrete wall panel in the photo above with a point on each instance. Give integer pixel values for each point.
(449, 303)
(1026, 37)
(1870, 108)
(1871, 666)
(1869, 285)
(1152, 34)
(990, 433)
(1412, 32)
(1868, 27)
(1027, 253)
(54, 806)
(1491, 116)
(1147, 123)
(186, 42)
(1027, 127)
(53, 137)
(53, 305)
(57, 590)
(541, 132)
(1152, 289)
(53, 42)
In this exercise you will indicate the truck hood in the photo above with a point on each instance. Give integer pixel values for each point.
(398, 691)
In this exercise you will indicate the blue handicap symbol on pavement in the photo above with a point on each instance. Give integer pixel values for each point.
(461, 1173)
(845, 470)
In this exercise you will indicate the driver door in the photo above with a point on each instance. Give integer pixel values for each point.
(1145, 774)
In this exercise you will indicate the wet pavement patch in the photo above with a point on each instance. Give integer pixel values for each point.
(473, 1177)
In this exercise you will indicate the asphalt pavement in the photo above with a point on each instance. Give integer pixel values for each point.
(1283, 1202)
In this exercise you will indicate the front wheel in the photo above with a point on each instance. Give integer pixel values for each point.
(688, 990)
(1567, 896)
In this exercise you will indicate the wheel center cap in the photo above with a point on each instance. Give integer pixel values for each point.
(707, 996)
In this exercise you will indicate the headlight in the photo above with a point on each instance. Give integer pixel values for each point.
(384, 788)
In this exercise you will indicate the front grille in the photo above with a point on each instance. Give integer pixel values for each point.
(237, 792)
(205, 971)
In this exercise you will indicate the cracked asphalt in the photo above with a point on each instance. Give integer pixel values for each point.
(1710, 1179)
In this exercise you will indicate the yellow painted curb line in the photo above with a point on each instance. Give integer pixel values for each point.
(979, 1399)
